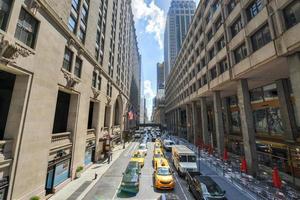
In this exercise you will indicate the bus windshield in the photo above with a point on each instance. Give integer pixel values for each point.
(185, 158)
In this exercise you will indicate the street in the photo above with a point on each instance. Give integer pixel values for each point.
(108, 185)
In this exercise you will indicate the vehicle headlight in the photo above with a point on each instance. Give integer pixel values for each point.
(122, 184)
(136, 184)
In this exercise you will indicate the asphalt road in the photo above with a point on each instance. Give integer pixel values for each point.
(108, 185)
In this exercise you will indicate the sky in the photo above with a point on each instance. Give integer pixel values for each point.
(150, 17)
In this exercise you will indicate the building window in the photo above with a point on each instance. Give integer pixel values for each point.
(211, 53)
(236, 27)
(270, 92)
(253, 9)
(256, 95)
(78, 67)
(72, 24)
(204, 78)
(261, 38)
(74, 15)
(4, 13)
(26, 30)
(221, 43)
(94, 79)
(99, 82)
(68, 57)
(209, 35)
(218, 23)
(223, 66)
(292, 14)
(240, 53)
(230, 6)
(213, 73)
(215, 5)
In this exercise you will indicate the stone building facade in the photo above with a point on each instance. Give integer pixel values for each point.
(66, 69)
(235, 83)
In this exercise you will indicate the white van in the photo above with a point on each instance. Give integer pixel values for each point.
(168, 144)
(184, 159)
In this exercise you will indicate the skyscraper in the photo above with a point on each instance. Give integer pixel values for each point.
(178, 20)
(160, 76)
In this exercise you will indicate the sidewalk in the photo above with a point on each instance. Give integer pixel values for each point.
(78, 188)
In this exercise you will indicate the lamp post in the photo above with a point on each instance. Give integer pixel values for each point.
(122, 137)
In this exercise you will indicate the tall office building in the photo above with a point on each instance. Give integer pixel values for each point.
(178, 20)
(160, 76)
(235, 85)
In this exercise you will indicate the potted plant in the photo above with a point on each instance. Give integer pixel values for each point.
(79, 171)
(35, 198)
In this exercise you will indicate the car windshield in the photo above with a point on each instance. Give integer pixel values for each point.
(131, 171)
(142, 147)
(163, 171)
(191, 158)
(137, 155)
(157, 155)
(183, 158)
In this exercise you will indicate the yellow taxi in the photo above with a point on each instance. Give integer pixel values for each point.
(157, 145)
(157, 156)
(138, 157)
(163, 176)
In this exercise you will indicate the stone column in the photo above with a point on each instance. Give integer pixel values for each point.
(247, 126)
(219, 122)
(189, 123)
(226, 109)
(178, 122)
(204, 118)
(286, 110)
(196, 122)
(294, 63)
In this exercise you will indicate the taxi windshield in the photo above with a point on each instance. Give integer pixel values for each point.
(163, 171)
(138, 155)
(157, 155)
(142, 147)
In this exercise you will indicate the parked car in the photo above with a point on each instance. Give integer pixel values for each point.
(168, 144)
(204, 187)
(139, 157)
(131, 178)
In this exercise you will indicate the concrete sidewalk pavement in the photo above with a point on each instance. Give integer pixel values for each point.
(78, 188)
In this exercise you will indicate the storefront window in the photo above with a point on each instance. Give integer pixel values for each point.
(260, 121)
(256, 94)
(270, 92)
(88, 156)
(61, 172)
(236, 123)
(274, 121)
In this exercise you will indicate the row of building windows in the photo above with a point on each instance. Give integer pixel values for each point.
(257, 40)
(68, 63)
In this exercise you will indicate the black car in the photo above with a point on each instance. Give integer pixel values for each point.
(204, 187)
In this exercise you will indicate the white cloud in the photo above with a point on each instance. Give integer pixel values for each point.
(154, 16)
(149, 95)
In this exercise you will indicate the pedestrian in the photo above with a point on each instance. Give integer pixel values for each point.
(96, 176)
(109, 156)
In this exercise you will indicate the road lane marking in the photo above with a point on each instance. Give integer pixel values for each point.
(118, 188)
(181, 188)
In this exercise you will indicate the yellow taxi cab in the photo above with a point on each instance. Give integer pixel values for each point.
(157, 156)
(163, 176)
(138, 157)
(157, 145)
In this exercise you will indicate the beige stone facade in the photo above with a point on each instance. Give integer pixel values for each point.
(235, 83)
(66, 70)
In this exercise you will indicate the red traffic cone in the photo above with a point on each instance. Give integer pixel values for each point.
(210, 150)
(244, 165)
(225, 155)
(276, 178)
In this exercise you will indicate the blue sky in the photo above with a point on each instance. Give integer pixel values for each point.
(150, 16)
